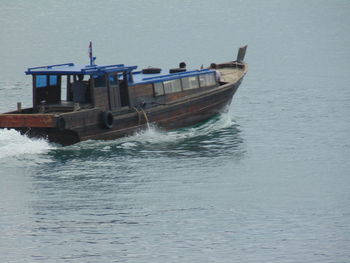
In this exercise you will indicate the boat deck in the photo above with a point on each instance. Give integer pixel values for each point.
(230, 74)
(63, 106)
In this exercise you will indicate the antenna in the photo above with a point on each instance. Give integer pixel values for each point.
(92, 59)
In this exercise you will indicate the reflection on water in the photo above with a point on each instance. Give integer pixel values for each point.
(109, 166)
(95, 165)
(102, 193)
(119, 166)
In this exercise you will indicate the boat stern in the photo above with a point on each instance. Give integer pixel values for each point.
(47, 126)
(10, 120)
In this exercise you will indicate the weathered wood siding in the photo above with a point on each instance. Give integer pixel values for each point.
(27, 120)
(114, 97)
(141, 93)
(82, 118)
(101, 98)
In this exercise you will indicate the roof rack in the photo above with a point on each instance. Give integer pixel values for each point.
(71, 69)
(175, 75)
(51, 66)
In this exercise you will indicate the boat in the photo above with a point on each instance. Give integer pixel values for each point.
(73, 103)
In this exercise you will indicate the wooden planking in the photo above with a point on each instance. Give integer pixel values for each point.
(27, 120)
(113, 96)
(168, 117)
(191, 105)
(176, 96)
(101, 98)
(140, 91)
(82, 118)
(230, 74)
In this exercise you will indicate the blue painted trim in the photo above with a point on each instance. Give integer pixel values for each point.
(173, 76)
(51, 66)
(137, 72)
(88, 67)
(120, 69)
(71, 69)
(181, 74)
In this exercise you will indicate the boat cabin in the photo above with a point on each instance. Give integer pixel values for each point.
(68, 87)
(105, 87)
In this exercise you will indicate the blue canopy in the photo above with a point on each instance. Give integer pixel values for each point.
(71, 69)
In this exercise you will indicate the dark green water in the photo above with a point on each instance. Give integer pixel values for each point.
(266, 182)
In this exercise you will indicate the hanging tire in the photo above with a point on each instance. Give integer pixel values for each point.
(151, 70)
(177, 70)
(107, 119)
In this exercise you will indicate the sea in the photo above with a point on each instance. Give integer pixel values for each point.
(267, 180)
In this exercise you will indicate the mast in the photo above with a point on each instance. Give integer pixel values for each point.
(90, 55)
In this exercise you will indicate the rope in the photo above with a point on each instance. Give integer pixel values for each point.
(138, 114)
(144, 114)
(146, 118)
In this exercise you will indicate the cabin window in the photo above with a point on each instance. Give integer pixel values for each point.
(100, 81)
(113, 80)
(64, 84)
(172, 86)
(207, 80)
(158, 89)
(190, 83)
(53, 80)
(41, 81)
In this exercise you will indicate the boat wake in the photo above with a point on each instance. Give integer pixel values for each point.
(13, 144)
(216, 136)
(211, 136)
(156, 135)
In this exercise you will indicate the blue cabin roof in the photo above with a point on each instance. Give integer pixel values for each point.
(72, 69)
(160, 77)
(138, 77)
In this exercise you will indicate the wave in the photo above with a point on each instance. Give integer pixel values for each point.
(156, 135)
(219, 135)
(206, 138)
(13, 144)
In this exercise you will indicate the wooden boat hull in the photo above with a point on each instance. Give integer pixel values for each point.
(178, 115)
(70, 127)
(186, 112)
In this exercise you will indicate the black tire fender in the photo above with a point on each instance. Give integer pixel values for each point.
(107, 119)
(177, 70)
(151, 70)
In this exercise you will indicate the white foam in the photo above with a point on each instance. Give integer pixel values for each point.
(155, 135)
(13, 144)
(127, 145)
